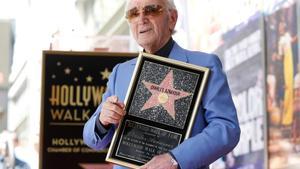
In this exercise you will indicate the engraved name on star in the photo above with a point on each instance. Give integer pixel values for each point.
(164, 94)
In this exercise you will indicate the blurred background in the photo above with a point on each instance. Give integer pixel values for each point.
(27, 27)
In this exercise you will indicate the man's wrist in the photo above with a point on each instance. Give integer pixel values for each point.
(106, 126)
(100, 129)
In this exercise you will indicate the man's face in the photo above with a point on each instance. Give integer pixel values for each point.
(151, 23)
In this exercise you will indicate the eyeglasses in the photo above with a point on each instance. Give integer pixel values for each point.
(148, 10)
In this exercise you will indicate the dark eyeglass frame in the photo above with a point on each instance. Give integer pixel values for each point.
(148, 10)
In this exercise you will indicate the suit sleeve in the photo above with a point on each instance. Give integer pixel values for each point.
(90, 136)
(222, 132)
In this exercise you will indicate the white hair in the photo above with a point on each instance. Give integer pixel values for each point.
(169, 3)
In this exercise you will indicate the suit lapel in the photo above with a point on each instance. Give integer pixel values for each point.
(133, 62)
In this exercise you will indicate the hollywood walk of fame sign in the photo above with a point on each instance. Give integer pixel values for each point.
(161, 104)
(72, 86)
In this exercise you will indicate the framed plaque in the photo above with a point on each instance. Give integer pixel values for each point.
(161, 104)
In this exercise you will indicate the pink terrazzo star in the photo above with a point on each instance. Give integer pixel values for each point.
(164, 94)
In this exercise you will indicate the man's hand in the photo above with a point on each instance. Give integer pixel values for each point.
(112, 111)
(164, 161)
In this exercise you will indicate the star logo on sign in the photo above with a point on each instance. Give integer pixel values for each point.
(89, 78)
(164, 94)
(105, 74)
(67, 71)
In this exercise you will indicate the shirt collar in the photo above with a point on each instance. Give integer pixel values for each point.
(166, 49)
(177, 53)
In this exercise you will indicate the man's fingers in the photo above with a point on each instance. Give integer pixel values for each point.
(114, 108)
(120, 104)
(112, 115)
(160, 162)
(112, 121)
(113, 99)
(112, 111)
(109, 117)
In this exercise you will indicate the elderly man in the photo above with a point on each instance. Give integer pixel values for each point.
(215, 131)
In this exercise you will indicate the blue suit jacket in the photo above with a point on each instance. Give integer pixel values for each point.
(216, 130)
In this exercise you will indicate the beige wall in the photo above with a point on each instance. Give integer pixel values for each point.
(5, 51)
